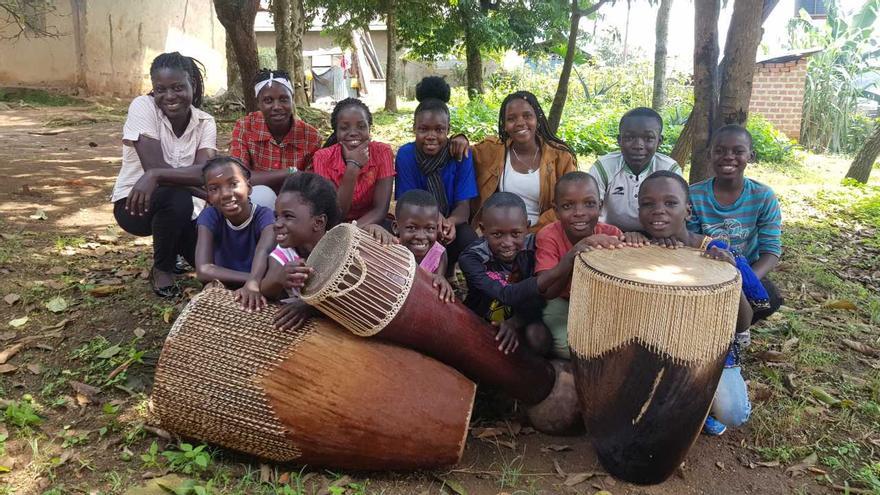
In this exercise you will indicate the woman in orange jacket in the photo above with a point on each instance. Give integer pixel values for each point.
(525, 159)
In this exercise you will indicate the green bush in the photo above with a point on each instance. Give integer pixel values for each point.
(769, 144)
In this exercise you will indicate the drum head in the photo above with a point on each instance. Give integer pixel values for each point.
(329, 258)
(660, 266)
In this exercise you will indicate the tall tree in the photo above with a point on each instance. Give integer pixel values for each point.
(661, 31)
(860, 169)
(577, 12)
(391, 63)
(283, 34)
(300, 20)
(237, 18)
(738, 69)
(705, 84)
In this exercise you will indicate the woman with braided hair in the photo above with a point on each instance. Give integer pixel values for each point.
(525, 159)
(272, 142)
(361, 169)
(166, 140)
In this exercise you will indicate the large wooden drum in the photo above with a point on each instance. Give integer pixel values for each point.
(376, 290)
(649, 329)
(316, 395)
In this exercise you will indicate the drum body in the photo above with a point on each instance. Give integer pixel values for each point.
(377, 290)
(316, 395)
(649, 329)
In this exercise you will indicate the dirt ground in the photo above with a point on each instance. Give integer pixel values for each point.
(60, 239)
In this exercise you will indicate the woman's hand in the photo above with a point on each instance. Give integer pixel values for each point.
(359, 154)
(249, 298)
(459, 147)
(138, 201)
(443, 287)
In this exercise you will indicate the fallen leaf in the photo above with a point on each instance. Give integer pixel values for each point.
(159, 486)
(9, 352)
(789, 344)
(11, 299)
(57, 270)
(35, 368)
(18, 322)
(555, 448)
(39, 215)
(822, 396)
(109, 352)
(453, 485)
(602, 492)
(7, 368)
(159, 432)
(772, 356)
(789, 383)
(57, 326)
(841, 304)
(799, 468)
(7, 335)
(6, 464)
(56, 304)
(106, 290)
(720, 465)
(577, 478)
(139, 332)
(559, 470)
(486, 432)
(265, 473)
(862, 348)
(760, 392)
(770, 464)
(284, 478)
(85, 394)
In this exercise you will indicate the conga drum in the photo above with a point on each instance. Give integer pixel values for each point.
(316, 395)
(648, 330)
(376, 290)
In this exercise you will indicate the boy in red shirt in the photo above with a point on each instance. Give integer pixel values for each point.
(577, 229)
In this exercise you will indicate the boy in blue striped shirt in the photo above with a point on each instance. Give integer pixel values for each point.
(740, 211)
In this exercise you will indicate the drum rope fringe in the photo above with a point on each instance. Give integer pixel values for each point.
(345, 247)
(607, 313)
(185, 397)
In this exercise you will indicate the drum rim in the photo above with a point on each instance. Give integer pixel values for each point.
(320, 292)
(656, 286)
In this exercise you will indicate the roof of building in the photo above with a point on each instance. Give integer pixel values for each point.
(788, 56)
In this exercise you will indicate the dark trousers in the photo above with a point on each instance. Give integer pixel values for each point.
(170, 223)
(773, 296)
(464, 236)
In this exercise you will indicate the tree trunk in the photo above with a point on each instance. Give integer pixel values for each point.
(860, 169)
(738, 69)
(298, 25)
(237, 18)
(705, 84)
(391, 64)
(283, 35)
(233, 81)
(681, 152)
(473, 59)
(662, 36)
(567, 63)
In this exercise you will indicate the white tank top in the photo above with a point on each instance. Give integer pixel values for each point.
(526, 186)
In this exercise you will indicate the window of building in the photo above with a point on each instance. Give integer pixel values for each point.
(816, 8)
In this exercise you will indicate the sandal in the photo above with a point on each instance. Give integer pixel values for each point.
(181, 266)
(167, 291)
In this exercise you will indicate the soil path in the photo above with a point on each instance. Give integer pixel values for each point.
(68, 173)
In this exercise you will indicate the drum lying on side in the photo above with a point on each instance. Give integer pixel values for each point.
(649, 329)
(316, 395)
(376, 290)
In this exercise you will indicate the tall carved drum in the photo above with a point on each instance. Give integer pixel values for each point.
(376, 290)
(316, 395)
(649, 329)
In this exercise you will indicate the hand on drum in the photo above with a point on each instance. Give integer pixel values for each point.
(635, 239)
(381, 235)
(599, 241)
(507, 335)
(447, 230)
(249, 298)
(442, 285)
(667, 242)
(719, 254)
(292, 315)
(459, 147)
(295, 274)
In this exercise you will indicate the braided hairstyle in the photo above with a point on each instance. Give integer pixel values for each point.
(264, 73)
(194, 69)
(342, 105)
(433, 94)
(543, 129)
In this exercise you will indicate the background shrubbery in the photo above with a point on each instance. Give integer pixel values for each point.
(598, 96)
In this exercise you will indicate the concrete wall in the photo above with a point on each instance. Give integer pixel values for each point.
(106, 47)
(778, 94)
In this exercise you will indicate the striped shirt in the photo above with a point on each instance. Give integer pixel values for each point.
(619, 187)
(328, 163)
(254, 145)
(752, 225)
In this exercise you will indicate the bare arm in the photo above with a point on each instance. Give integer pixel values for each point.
(271, 178)
(272, 284)
(552, 282)
(461, 213)
(345, 192)
(765, 264)
(381, 202)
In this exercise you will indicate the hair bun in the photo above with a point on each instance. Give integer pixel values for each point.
(433, 87)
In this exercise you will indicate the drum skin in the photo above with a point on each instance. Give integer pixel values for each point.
(316, 395)
(454, 335)
(643, 411)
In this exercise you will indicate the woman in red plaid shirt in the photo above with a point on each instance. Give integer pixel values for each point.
(271, 141)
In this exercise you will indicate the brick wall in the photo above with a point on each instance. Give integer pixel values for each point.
(778, 94)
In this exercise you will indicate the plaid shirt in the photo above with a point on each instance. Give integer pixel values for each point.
(253, 144)
(328, 163)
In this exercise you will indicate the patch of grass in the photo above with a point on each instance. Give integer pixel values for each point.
(62, 242)
(187, 459)
(100, 358)
(38, 97)
(21, 414)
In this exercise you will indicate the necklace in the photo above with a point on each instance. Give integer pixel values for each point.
(528, 166)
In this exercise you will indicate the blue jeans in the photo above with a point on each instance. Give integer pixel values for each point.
(731, 405)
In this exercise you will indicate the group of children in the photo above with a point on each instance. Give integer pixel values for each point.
(516, 279)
